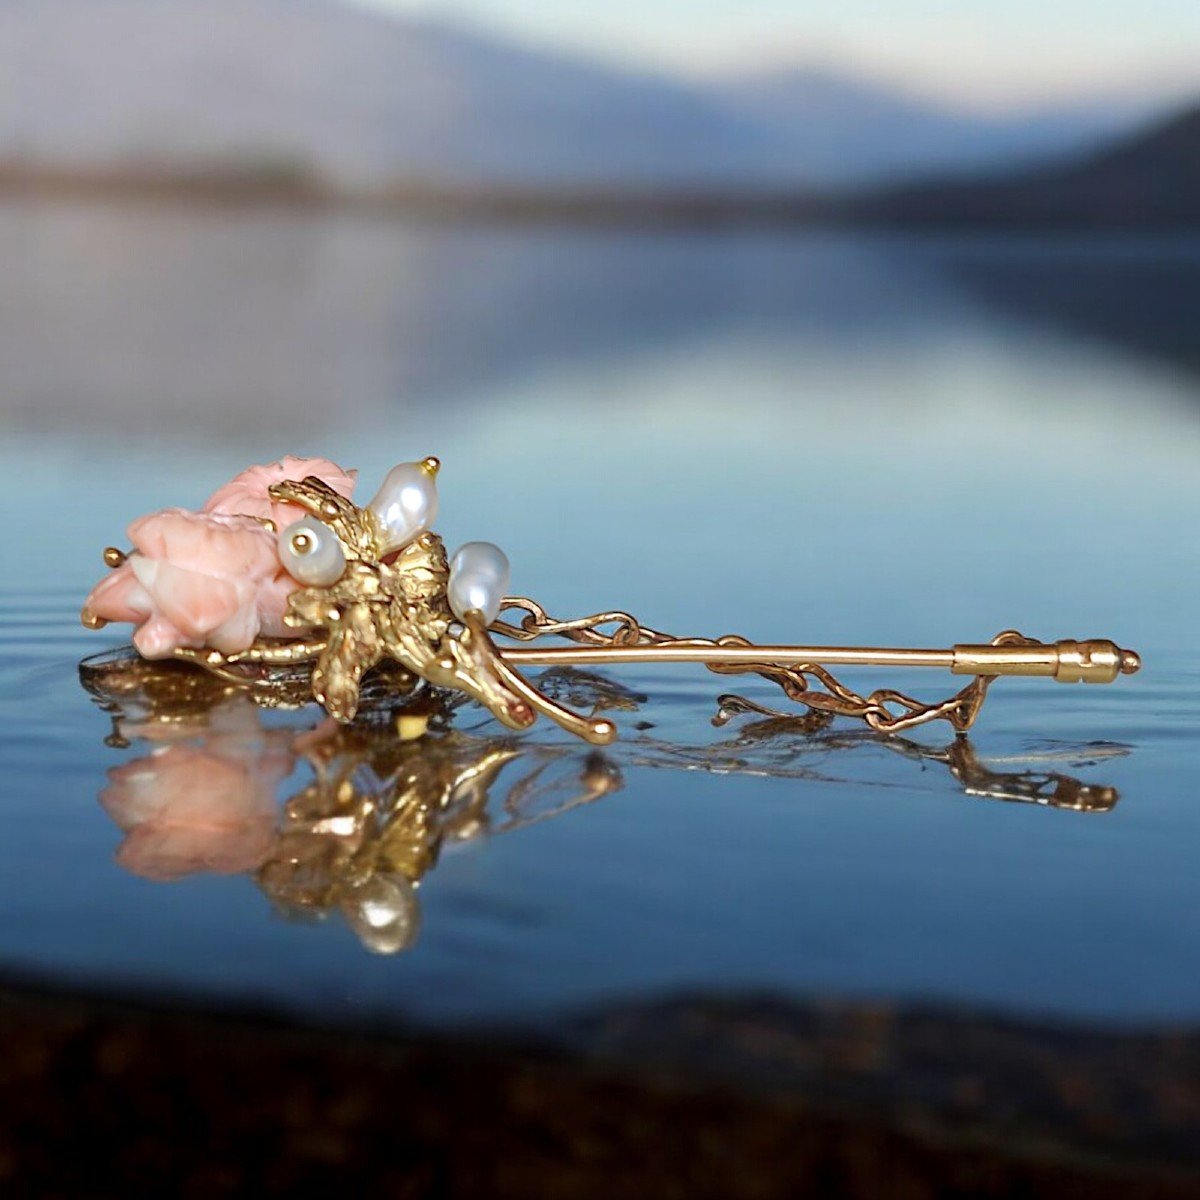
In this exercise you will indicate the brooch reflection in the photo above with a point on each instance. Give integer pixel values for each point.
(381, 799)
(281, 571)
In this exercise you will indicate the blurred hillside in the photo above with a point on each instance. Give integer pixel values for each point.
(320, 89)
(1151, 178)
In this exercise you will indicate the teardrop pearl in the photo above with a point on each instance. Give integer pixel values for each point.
(406, 504)
(479, 574)
(311, 553)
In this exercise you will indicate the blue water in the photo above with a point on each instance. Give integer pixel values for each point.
(790, 436)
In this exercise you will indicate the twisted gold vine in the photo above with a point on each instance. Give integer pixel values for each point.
(831, 696)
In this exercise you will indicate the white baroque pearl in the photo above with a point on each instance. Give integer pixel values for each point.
(479, 574)
(311, 553)
(407, 502)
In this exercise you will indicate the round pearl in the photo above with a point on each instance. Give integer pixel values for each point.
(479, 574)
(406, 504)
(311, 553)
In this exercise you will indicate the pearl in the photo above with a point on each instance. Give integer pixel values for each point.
(479, 574)
(311, 553)
(407, 503)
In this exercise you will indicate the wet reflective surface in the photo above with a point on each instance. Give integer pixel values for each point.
(381, 797)
(791, 437)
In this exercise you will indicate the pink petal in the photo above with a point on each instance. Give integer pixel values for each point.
(238, 498)
(158, 638)
(273, 599)
(212, 544)
(237, 632)
(196, 604)
(119, 597)
(247, 493)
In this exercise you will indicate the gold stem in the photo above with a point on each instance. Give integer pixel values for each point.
(1067, 661)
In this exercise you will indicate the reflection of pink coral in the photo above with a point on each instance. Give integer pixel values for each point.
(207, 806)
(247, 495)
(196, 579)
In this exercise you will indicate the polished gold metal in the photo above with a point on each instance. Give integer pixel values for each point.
(1066, 661)
(393, 608)
(802, 671)
(389, 608)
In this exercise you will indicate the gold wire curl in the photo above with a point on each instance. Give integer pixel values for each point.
(885, 710)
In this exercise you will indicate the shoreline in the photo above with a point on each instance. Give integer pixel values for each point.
(913, 208)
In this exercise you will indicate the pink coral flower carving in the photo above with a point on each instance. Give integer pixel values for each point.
(211, 579)
(198, 580)
(247, 495)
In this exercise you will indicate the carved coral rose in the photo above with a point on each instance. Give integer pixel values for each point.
(195, 579)
(247, 494)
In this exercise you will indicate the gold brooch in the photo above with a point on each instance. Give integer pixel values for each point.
(281, 573)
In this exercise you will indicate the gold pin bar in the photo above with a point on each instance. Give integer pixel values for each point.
(1095, 661)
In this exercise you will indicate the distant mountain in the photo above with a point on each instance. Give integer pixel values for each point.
(354, 95)
(847, 130)
(1147, 180)
(363, 98)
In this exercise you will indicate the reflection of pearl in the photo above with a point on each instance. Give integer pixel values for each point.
(311, 553)
(478, 580)
(383, 910)
(407, 503)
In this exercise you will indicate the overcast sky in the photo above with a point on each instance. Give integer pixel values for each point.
(991, 52)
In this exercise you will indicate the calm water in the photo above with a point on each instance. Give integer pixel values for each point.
(791, 437)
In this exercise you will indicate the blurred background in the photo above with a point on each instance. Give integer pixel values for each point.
(919, 278)
(805, 320)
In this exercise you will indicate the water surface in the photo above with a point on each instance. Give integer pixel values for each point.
(794, 437)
